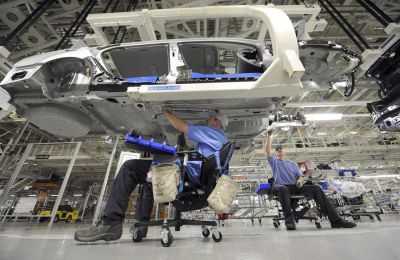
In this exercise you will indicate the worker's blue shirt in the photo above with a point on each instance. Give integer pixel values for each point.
(209, 140)
(285, 172)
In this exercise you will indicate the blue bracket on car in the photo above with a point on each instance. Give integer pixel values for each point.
(148, 79)
(149, 145)
(196, 75)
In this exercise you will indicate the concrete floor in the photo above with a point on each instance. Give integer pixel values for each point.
(241, 240)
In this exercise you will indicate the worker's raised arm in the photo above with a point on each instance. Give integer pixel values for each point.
(268, 145)
(176, 122)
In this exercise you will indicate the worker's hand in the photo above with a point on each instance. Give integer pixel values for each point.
(270, 130)
(167, 109)
(300, 182)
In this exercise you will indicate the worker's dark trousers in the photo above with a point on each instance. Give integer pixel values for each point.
(132, 172)
(311, 191)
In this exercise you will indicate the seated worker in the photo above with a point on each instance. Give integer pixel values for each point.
(209, 139)
(289, 180)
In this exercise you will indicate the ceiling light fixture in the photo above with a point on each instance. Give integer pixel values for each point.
(353, 133)
(321, 133)
(323, 117)
(381, 176)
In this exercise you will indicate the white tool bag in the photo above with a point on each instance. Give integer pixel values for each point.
(221, 198)
(165, 181)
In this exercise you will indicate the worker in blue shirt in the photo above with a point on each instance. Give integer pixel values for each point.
(288, 180)
(209, 138)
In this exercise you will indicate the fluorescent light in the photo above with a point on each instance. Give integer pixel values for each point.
(320, 117)
(321, 133)
(285, 128)
(31, 195)
(78, 195)
(381, 176)
(353, 133)
(54, 195)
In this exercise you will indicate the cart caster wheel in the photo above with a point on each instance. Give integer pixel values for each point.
(318, 225)
(216, 236)
(252, 221)
(378, 218)
(166, 238)
(137, 235)
(371, 218)
(276, 225)
(259, 221)
(205, 232)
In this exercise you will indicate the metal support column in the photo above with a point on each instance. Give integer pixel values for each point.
(15, 174)
(11, 145)
(83, 209)
(64, 184)
(157, 211)
(103, 187)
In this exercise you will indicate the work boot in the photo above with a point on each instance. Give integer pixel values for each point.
(290, 226)
(289, 223)
(343, 224)
(106, 229)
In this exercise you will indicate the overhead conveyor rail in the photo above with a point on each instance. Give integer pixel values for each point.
(357, 39)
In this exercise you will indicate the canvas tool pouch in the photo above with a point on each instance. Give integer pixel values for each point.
(165, 181)
(221, 198)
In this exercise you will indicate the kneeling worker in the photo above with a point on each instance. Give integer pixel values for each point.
(289, 180)
(209, 139)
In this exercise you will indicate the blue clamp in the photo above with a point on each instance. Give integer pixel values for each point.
(263, 188)
(150, 145)
(347, 172)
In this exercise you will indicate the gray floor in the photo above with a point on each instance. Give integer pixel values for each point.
(370, 240)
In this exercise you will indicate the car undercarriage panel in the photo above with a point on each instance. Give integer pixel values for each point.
(122, 88)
